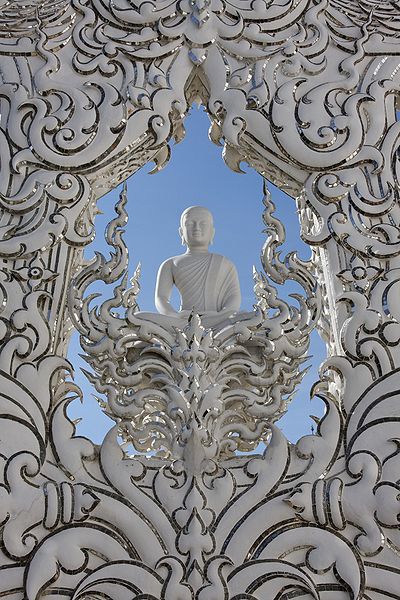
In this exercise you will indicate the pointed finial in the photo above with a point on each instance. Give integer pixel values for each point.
(123, 196)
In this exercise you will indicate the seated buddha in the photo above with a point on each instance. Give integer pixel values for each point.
(207, 283)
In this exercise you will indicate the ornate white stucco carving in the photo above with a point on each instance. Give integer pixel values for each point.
(305, 91)
(186, 388)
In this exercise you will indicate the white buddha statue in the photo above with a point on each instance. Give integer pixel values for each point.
(208, 283)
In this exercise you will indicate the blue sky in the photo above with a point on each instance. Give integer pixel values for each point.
(197, 174)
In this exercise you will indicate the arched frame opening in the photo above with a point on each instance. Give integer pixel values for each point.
(154, 205)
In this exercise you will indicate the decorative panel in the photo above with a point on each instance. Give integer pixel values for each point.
(304, 91)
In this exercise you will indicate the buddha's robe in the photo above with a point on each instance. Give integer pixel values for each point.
(206, 282)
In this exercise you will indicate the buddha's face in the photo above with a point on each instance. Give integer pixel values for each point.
(197, 228)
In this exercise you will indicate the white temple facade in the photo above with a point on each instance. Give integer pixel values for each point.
(305, 92)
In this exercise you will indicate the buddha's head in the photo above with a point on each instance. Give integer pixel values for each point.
(197, 228)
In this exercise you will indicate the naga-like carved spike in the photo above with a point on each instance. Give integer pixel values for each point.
(291, 268)
(94, 322)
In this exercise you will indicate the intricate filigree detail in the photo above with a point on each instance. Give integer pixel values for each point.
(306, 92)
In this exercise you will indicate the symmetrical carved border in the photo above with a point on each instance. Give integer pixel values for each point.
(305, 91)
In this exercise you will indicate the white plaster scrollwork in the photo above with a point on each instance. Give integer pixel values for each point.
(305, 92)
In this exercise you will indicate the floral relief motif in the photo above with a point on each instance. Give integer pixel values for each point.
(360, 275)
(35, 273)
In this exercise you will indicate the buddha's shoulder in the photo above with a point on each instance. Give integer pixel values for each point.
(186, 258)
(223, 260)
(182, 259)
(175, 261)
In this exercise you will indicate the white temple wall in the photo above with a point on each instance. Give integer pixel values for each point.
(305, 92)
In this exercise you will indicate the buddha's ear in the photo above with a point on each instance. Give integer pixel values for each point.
(212, 236)
(180, 231)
